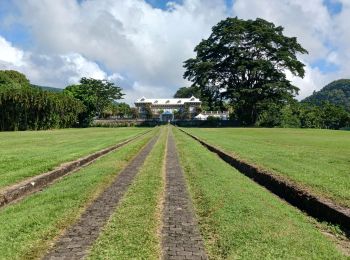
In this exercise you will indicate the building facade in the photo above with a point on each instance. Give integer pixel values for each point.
(168, 109)
(222, 115)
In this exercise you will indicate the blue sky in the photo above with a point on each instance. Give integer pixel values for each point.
(163, 4)
(334, 7)
(141, 44)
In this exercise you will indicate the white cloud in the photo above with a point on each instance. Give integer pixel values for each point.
(81, 67)
(309, 21)
(128, 37)
(9, 54)
(54, 70)
(312, 81)
(324, 35)
(143, 48)
(341, 38)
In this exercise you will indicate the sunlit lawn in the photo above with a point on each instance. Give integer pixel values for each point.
(318, 160)
(29, 226)
(241, 220)
(25, 154)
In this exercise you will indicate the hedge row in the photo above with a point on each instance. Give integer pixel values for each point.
(34, 109)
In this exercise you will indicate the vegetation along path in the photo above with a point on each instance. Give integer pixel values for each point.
(74, 244)
(180, 235)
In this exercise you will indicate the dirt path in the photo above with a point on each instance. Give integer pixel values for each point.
(180, 235)
(75, 242)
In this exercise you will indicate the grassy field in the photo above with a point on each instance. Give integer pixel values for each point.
(241, 220)
(132, 230)
(317, 160)
(25, 154)
(32, 223)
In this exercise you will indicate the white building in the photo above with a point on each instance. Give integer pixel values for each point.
(224, 115)
(165, 108)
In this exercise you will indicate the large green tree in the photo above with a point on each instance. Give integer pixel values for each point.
(96, 95)
(187, 92)
(245, 62)
(11, 79)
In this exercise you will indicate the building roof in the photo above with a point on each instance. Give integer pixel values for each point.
(167, 101)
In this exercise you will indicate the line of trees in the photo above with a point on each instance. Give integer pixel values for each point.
(120, 110)
(292, 114)
(305, 115)
(35, 109)
(27, 108)
(24, 107)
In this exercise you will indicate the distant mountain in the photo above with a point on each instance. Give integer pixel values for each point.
(50, 89)
(336, 92)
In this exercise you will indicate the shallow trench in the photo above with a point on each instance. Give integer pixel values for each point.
(316, 207)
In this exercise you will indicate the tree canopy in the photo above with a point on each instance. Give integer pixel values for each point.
(244, 62)
(187, 92)
(96, 95)
(305, 115)
(25, 107)
(12, 79)
(121, 110)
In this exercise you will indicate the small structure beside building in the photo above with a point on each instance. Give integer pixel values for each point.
(224, 115)
(165, 109)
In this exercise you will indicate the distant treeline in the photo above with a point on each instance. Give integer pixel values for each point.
(305, 115)
(328, 108)
(324, 113)
(24, 107)
(49, 89)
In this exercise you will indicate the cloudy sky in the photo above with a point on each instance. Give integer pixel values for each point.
(141, 44)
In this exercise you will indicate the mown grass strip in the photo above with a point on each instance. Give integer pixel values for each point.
(28, 227)
(317, 207)
(132, 230)
(316, 160)
(38, 182)
(241, 220)
(27, 154)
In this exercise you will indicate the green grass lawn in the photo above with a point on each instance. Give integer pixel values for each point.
(318, 160)
(241, 220)
(28, 227)
(132, 230)
(28, 153)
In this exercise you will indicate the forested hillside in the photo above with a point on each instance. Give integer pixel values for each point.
(50, 89)
(336, 92)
